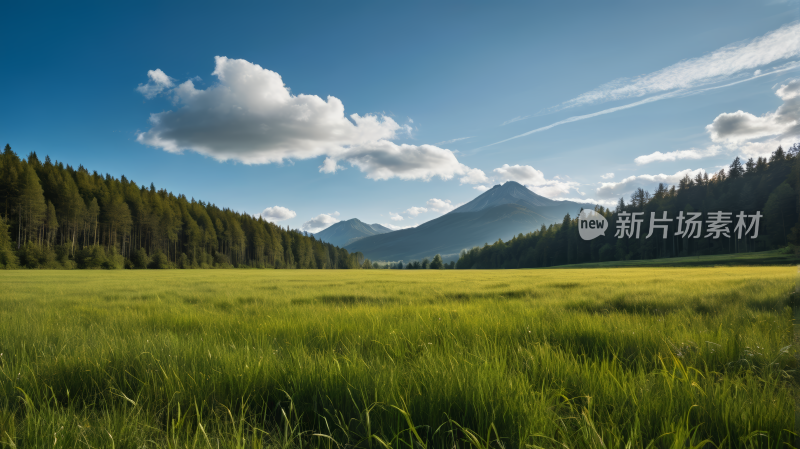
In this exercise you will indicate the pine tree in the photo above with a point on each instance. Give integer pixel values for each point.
(9, 179)
(750, 166)
(31, 205)
(7, 257)
(736, 170)
(620, 208)
(50, 223)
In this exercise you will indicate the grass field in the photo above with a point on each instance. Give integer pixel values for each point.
(771, 258)
(666, 357)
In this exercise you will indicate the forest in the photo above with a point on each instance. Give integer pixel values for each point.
(765, 185)
(55, 216)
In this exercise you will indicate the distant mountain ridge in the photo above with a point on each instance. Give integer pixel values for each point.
(349, 231)
(499, 213)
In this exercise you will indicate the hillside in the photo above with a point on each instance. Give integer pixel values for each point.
(346, 232)
(765, 188)
(499, 213)
(55, 216)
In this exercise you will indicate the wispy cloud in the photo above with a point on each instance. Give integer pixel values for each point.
(515, 119)
(711, 68)
(688, 77)
(579, 117)
(679, 93)
(458, 139)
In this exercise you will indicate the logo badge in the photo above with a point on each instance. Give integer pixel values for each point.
(591, 224)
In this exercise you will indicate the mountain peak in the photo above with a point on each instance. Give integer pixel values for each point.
(511, 192)
(347, 231)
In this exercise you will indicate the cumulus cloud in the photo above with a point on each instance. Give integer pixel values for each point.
(277, 213)
(789, 90)
(438, 205)
(523, 174)
(739, 127)
(762, 148)
(481, 188)
(713, 67)
(384, 160)
(395, 217)
(474, 176)
(330, 165)
(250, 116)
(647, 182)
(608, 176)
(745, 133)
(414, 211)
(320, 222)
(693, 153)
(535, 180)
(159, 82)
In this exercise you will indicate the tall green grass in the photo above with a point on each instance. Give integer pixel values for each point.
(375, 359)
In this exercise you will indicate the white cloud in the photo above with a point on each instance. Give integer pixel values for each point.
(761, 149)
(523, 174)
(250, 116)
(515, 119)
(694, 153)
(159, 82)
(742, 130)
(689, 76)
(319, 223)
(457, 139)
(789, 90)
(608, 176)
(711, 68)
(438, 205)
(277, 213)
(474, 176)
(738, 127)
(647, 182)
(397, 228)
(481, 188)
(414, 211)
(330, 166)
(535, 180)
(606, 203)
(583, 117)
(395, 217)
(384, 160)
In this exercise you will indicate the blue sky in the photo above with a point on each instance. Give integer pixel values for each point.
(250, 105)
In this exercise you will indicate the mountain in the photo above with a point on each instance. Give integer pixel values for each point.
(499, 213)
(346, 232)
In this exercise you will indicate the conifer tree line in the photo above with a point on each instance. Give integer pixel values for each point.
(766, 185)
(55, 216)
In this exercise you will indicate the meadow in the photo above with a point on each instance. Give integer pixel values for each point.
(417, 359)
